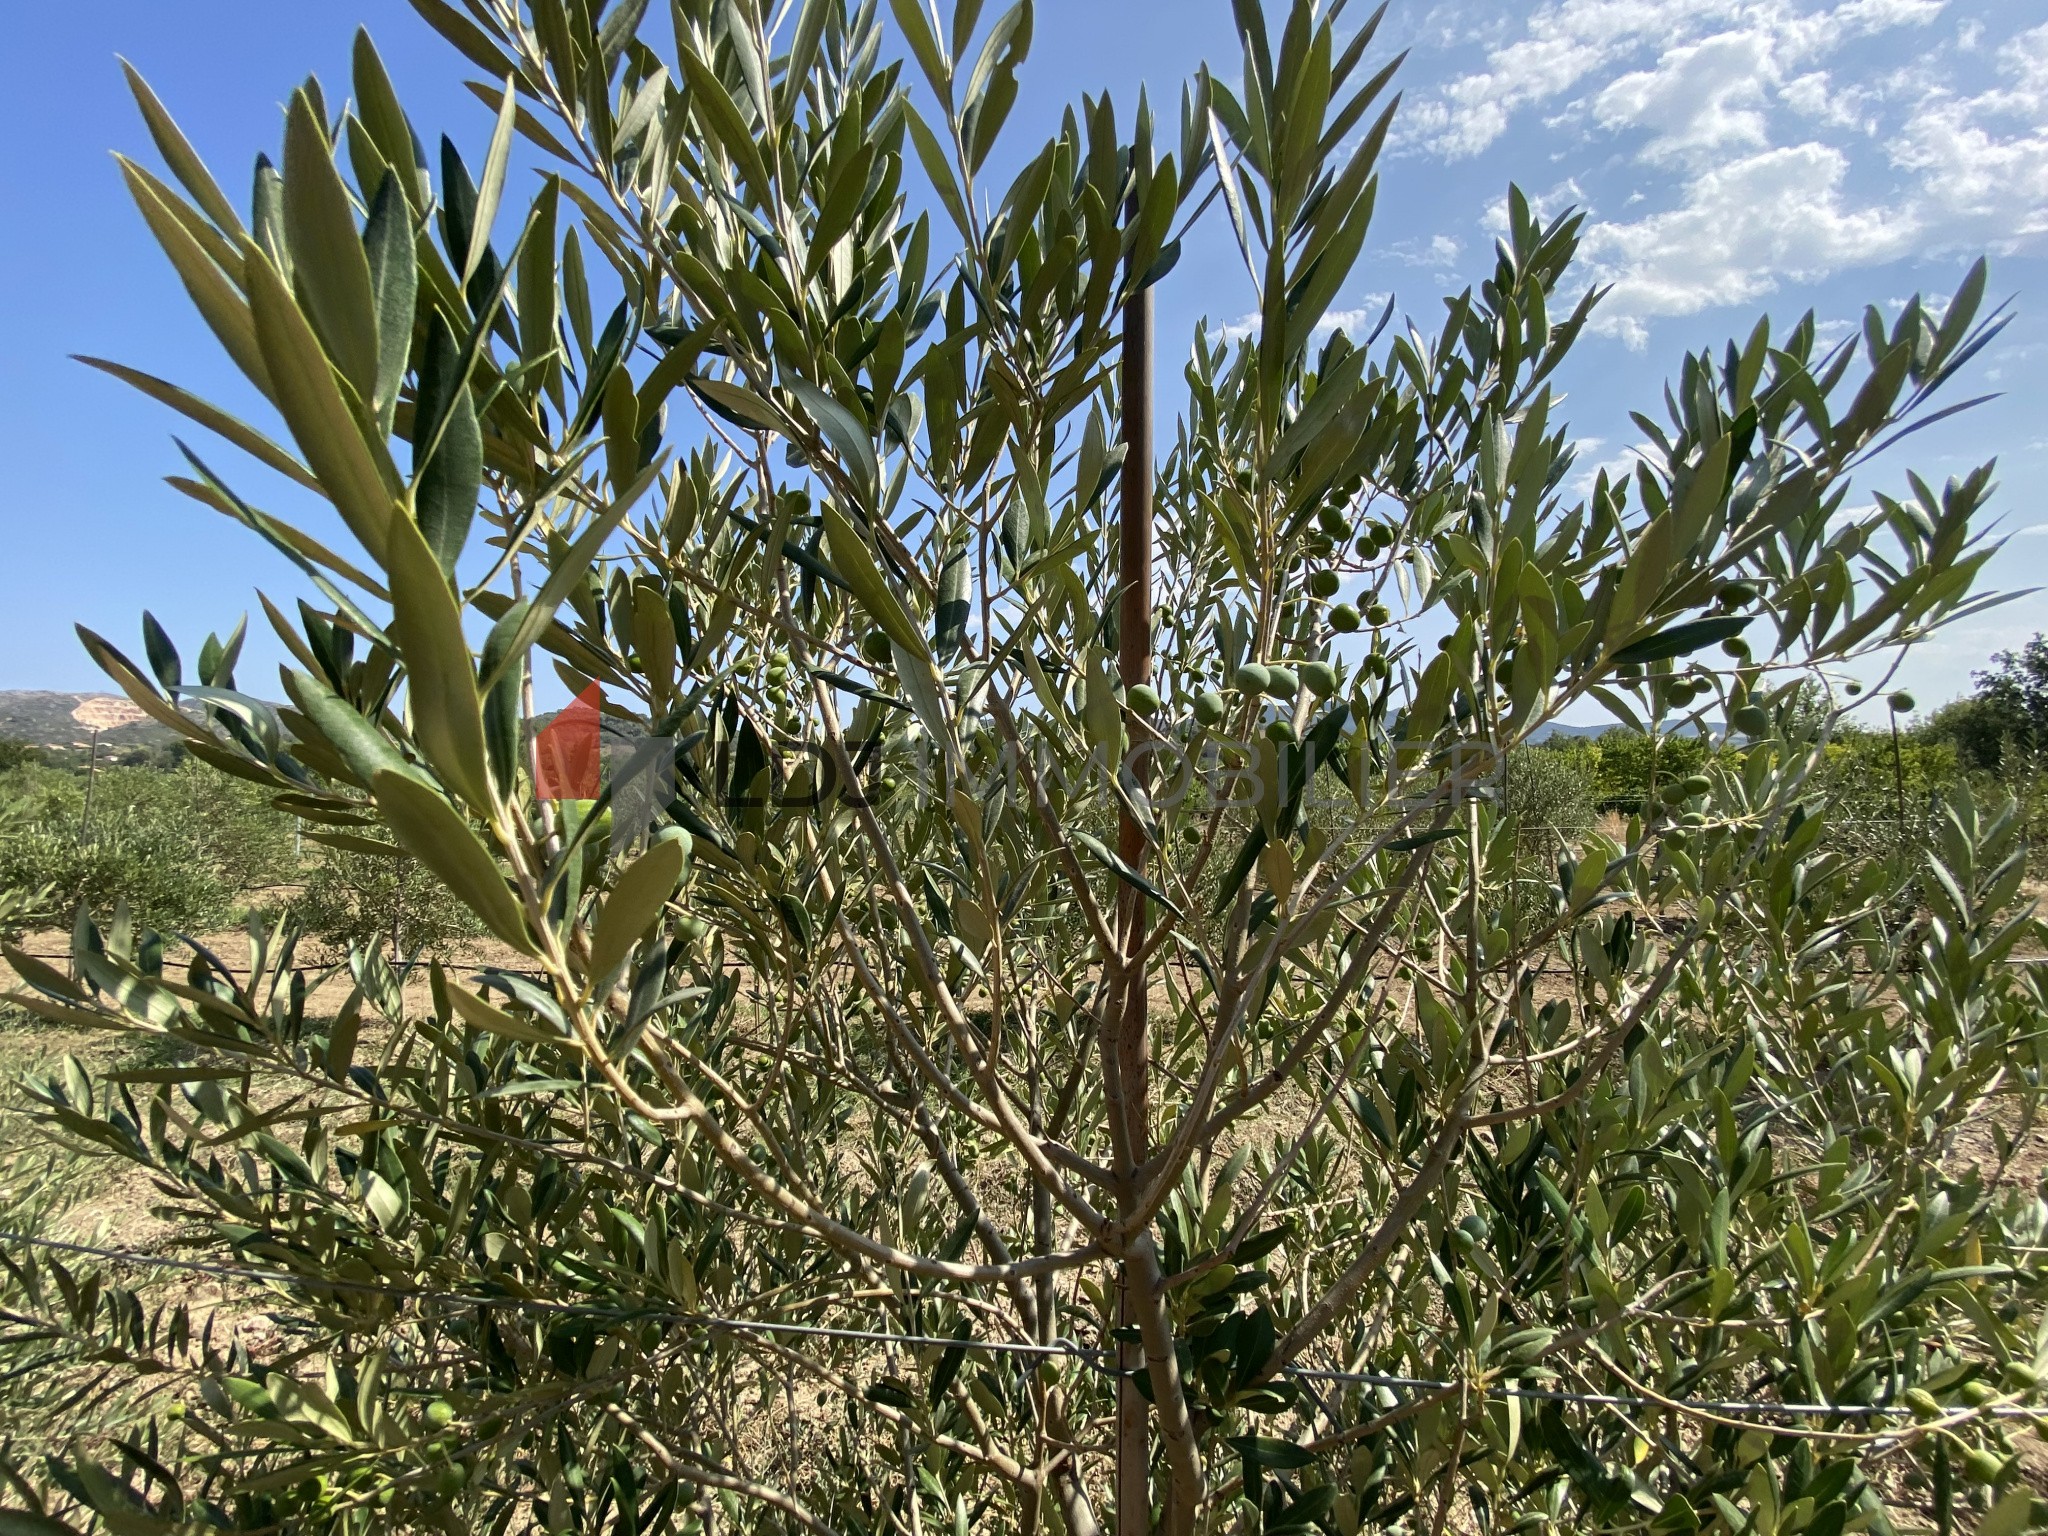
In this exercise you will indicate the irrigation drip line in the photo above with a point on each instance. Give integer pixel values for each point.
(1732, 1408)
(539, 975)
(1063, 1348)
(1068, 1349)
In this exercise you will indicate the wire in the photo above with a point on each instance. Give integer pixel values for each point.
(1066, 1348)
(1612, 1400)
(1059, 1349)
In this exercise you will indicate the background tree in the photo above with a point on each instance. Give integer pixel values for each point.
(1004, 1092)
(2004, 724)
(186, 847)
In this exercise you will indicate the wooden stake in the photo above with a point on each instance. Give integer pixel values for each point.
(1133, 1034)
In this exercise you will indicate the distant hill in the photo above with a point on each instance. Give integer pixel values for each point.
(44, 720)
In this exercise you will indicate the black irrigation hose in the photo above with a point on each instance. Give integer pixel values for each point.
(1061, 1349)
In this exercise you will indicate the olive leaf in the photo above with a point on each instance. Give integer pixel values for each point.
(429, 828)
(634, 904)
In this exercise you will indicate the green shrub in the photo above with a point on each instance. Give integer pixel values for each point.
(160, 868)
(363, 901)
(1878, 797)
(1629, 763)
(186, 847)
(1549, 789)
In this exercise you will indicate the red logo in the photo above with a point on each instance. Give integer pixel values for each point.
(568, 760)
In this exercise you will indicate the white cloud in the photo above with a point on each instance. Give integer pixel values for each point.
(1699, 99)
(1818, 95)
(1791, 155)
(1591, 460)
(1697, 43)
(1796, 160)
(1829, 334)
(1439, 253)
(1355, 322)
(1743, 228)
(1981, 182)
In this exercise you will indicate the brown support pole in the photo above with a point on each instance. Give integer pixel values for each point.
(1133, 1036)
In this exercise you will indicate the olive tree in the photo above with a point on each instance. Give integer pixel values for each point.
(1077, 1047)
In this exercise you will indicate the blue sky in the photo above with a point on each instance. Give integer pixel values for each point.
(1734, 156)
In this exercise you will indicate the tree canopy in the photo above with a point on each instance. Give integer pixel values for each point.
(1084, 1040)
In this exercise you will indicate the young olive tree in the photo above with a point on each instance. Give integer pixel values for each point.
(1082, 1045)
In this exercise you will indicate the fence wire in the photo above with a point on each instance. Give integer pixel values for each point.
(1101, 1360)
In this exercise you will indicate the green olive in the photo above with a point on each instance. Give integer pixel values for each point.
(1377, 614)
(1280, 732)
(1319, 677)
(440, 1414)
(1333, 520)
(1751, 720)
(1252, 678)
(1344, 619)
(1324, 584)
(1281, 682)
(1143, 698)
(1209, 707)
(1982, 1466)
(875, 646)
(1902, 703)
